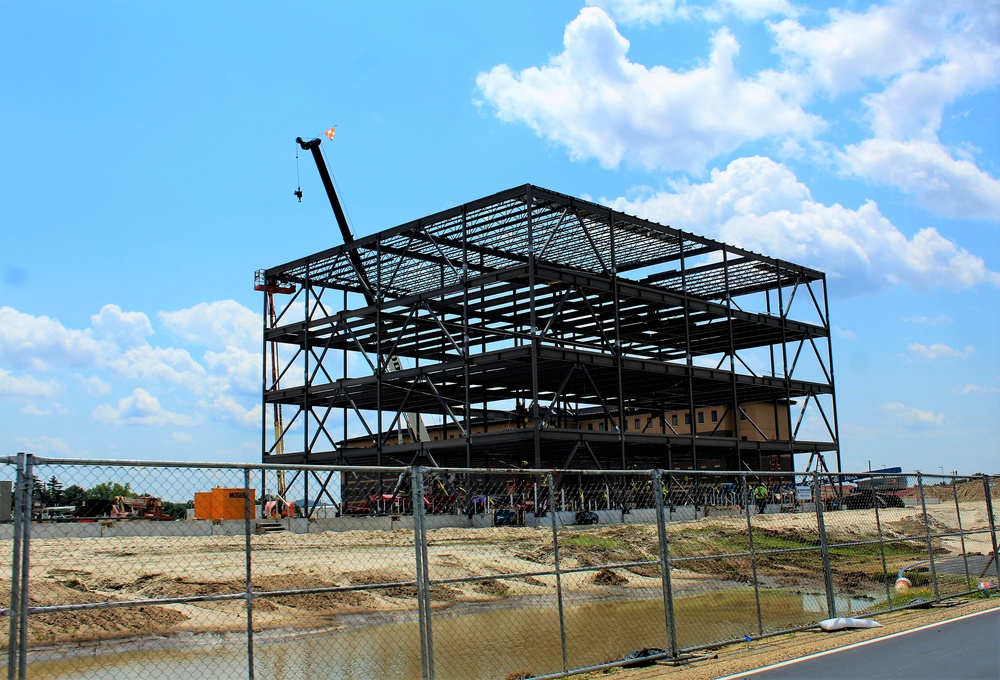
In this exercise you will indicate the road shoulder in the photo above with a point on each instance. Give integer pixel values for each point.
(743, 657)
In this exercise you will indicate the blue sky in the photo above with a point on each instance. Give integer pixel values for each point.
(148, 165)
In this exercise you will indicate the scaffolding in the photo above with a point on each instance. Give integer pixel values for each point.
(513, 323)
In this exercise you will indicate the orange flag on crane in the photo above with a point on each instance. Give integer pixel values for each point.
(331, 133)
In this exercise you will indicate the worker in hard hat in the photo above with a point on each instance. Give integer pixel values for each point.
(760, 496)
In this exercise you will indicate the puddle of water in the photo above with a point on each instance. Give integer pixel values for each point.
(490, 642)
(846, 606)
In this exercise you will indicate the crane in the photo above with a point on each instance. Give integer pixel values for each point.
(414, 422)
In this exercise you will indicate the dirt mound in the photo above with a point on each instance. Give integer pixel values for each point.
(87, 624)
(972, 490)
(607, 577)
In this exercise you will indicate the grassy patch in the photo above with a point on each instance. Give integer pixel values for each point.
(591, 542)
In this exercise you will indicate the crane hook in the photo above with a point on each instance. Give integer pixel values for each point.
(298, 194)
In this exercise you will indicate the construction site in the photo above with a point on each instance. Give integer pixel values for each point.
(531, 329)
(525, 418)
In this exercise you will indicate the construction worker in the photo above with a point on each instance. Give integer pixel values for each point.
(760, 495)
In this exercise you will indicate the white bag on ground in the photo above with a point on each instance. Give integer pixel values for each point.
(841, 623)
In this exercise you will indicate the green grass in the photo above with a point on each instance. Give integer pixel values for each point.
(591, 542)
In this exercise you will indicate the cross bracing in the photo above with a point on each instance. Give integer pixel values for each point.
(533, 300)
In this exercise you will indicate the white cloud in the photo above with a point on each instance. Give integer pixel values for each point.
(139, 408)
(976, 389)
(940, 320)
(236, 412)
(882, 42)
(760, 205)
(50, 407)
(168, 365)
(93, 385)
(914, 416)
(240, 368)
(924, 55)
(941, 184)
(844, 333)
(633, 12)
(638, 12)
(221, 323)
(753, 9)
(14, 387)
(940, 351)
(44, 445)
(908, 61)
(116, 353)
(930, 50)
(598, 104)
(181, 437)
(42, 343)
(124, 329)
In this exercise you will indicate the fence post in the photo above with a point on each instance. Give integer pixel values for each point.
(21, 483)
(744, 490)
(831, 602)
(555, 555)
(661, 537)
(423, 585)
(927, 534)
(881, 550)
(961, 533)
(22, 647)
(993, 526)
(249, 571)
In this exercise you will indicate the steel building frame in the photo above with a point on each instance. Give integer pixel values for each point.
(534, 303)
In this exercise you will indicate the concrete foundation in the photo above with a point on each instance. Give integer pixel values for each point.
(298, 525)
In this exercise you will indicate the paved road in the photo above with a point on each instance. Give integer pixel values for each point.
(966, 648)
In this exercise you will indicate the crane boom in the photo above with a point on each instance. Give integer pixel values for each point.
(414, 422)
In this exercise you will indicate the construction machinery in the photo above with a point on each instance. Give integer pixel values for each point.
(414, 422)
(139, 507)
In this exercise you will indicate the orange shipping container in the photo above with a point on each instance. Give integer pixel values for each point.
(224, 504)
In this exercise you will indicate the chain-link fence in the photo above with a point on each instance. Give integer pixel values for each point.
(132, 570)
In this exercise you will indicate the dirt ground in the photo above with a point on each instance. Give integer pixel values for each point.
(476, 565)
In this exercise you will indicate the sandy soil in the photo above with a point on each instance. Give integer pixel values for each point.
(377, 568)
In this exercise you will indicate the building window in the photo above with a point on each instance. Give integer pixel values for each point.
(673, 420)
(687, 418)
(625, 424)
(600, 426)
(590, 426)
(637, 425)
(715, 416)
(743, 415)
(701, 417)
